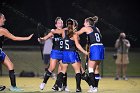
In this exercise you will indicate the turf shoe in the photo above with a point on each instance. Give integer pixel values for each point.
(55, 88)
(92, 90)
(15, 89)
(42, 85)
(2, 88)
(65, 88)
(78, 90)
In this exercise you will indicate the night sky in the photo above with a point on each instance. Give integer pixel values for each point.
(115, 16)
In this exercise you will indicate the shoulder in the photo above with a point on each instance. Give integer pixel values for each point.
(3, 29)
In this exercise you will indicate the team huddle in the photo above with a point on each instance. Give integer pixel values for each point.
(65, 51)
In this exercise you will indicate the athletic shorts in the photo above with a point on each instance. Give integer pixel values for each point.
(96, 52)
(122, 59)
(70, 57)
(56, 54)
(46, 58)
(2, 56)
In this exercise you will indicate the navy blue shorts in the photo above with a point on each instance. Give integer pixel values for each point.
(70, 57)
(2, 56)
(56, 54)
(96, 52)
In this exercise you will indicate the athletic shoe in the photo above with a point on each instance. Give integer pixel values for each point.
(2, 88)
(125, 78)
(55, 88)
(15, 89)
(91, 89)
(117, 78)
(42, 85)
(60, 89)
(65, 88)
(78, 90)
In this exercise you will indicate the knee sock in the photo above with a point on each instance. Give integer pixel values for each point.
(46, 69)
(12, 78)
(92, 78)
(65, 79)
(78, 80)
(97, 78)
(47, 75)
(60, 79)
(55, 84)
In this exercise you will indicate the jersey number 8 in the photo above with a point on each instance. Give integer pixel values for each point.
(97, 36)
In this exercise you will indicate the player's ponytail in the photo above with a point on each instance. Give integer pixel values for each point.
(95, 19)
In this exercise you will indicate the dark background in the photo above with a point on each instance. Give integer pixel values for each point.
(115, 16)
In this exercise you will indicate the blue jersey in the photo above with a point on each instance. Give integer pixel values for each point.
(96, 46)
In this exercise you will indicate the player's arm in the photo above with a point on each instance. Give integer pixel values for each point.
(81, 31)
(45, 37)
(7, 34)
(75, 36)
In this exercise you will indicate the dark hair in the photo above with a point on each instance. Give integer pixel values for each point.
(70, 23)
(92, 20)
(57, 18)
(75, 24)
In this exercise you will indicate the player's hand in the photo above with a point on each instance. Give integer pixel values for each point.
(86, 53)
(29, 37)
(40, 39)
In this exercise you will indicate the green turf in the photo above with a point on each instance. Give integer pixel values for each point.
(106, 85)
(30, 60)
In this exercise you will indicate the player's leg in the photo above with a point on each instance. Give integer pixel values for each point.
(61, 75)
(51, 68)
(97, 75)
(12, 76)
(77, 67)
(55, 86)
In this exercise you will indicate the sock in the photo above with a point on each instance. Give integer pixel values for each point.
(55, 84)
(12, 77)
(60, 79)
(46, 69)
(47, 75)
(97, 78)
(92, 79)
(85, 77)
(65, 79)
(78, 80)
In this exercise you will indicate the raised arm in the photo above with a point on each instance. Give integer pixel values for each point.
(7, 34)
(75, 36)
(41, 39)
(81, 31)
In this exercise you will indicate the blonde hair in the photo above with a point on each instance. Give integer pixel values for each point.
(92, 20)
(58, 18)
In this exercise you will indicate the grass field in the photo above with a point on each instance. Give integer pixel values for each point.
(30, 60)
(106, 85)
